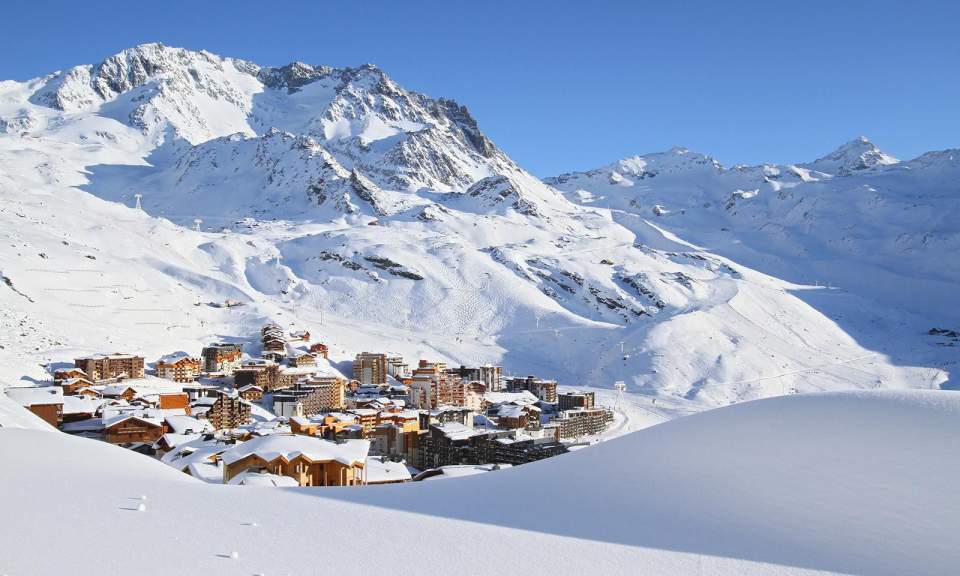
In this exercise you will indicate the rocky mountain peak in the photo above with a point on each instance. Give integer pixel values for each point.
(292, 76)
(853, 156)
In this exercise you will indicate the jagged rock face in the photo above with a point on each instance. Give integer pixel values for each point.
(497, 190)
(276, 174)
(292, 76)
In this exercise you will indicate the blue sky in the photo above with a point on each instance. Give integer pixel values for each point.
(572, 85)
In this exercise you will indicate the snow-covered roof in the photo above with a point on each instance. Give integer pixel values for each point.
(153, 420)
(81, 404)
(510, 411)
(187, 424)
(174, 440)
(378, 471)
(114, 356)
(205, 470)
(118, 389)
(461, 470)
(289, 446)
(263, 479)
(524, 397)
(456, 430)
(298, 370)
(174, 358)
(88, 425)
(35, 395)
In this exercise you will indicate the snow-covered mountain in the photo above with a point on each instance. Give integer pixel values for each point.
(380, 218)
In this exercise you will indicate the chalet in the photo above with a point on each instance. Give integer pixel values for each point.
(46, 402)
(106, 366)
(73, 385)
(273, 355)
(133, 428)
(123, 391)
(319, 349)
(80, 407)
(274, 344)
(250, 393)
(303, 359)
(309, 461)
(300, 335)
(179, 367)
(68, 373)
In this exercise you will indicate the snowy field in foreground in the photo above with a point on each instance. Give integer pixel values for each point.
(848, 483)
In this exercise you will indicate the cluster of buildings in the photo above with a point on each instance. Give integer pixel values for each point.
(285, 417)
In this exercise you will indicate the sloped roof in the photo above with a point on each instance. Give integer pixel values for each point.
(289, 446)
(263, 479)
(36, 395)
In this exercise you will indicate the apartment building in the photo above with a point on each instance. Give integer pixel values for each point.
(107, 366)
(576, 399)
(179, 367)
(370, 368)
(222, 357)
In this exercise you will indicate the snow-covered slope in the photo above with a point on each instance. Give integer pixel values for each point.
(379, 218)
(836, 483)
(869, 240)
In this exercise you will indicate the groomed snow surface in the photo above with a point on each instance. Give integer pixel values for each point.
(839, 483)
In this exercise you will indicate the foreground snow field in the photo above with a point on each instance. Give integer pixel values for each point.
(850, 483)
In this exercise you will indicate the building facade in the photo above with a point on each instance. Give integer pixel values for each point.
(370, 368)
(179, 368)
(222, 357)
(574, 400)
(109, 366)
(228, 412)
(491, 376)
(583, 422)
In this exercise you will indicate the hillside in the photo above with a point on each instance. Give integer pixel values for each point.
(835, 483)
(383, 219)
